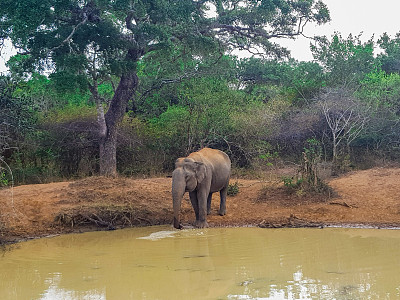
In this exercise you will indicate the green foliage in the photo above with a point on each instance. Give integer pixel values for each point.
(69, 113)
(233, 189)
(68, 82)
(3, 178)
(62, 144)
(106, 90)
(17, 117)
(269, 157)
(381, 90)
(389, 60)
(202, 116)
(92, 40)
(306, 80)
(313, 151)
(346, 60)
(309, 170)
(162, 83)
(20, 66)
(85, 43)
(307, 180)
(291, 182)
(172, 131)
(298, 82)
(262, 71)
(42, 94)
(252, 127)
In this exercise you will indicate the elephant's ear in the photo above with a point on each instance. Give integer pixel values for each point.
(200, 171)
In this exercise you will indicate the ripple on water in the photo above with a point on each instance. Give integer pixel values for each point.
(158, 235)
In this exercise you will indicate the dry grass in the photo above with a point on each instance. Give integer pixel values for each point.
(110, 216)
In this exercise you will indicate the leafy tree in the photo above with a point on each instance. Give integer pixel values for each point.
(381, 91)
(305, 79)
(262, 79)
(84, 43)
(345, 60)
(300, 81)
(390, 59)
(160, 82)
(262, 71)
(203, 116)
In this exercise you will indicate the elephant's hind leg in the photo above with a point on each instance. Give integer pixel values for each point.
(222, 205)
(209, 203)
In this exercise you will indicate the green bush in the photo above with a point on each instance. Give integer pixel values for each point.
(233, 189)
(307, 179)
(3, 179)
(291, 182)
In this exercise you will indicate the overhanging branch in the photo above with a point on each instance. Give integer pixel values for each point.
(69, 37)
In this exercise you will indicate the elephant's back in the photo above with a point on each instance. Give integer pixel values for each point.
(216, 157)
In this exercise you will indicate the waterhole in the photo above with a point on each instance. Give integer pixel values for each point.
(216, 263)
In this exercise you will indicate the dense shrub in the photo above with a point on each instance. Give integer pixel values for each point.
(138, 152)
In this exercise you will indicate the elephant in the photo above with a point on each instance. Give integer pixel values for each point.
(202, 173)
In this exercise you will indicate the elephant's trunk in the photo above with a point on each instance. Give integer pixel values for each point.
(178, 190)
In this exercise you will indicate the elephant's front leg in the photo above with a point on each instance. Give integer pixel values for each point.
(195, 203)
(202, 196)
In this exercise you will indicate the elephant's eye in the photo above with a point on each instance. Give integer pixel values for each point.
(189, 175)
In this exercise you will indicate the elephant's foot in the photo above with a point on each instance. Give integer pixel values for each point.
(201, 224)
(222, 212)
(177, 224)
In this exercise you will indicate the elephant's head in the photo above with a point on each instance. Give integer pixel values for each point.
(185, 178)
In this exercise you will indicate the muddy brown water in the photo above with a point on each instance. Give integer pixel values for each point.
(215, 263)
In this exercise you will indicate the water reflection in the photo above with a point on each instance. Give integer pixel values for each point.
(233, 263)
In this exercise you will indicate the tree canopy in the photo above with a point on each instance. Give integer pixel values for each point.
(84, 43)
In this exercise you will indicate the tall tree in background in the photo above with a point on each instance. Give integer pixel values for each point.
(86, 42)
(345, 60)
(390, 59)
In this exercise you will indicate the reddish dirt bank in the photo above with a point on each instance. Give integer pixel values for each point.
(370, 197)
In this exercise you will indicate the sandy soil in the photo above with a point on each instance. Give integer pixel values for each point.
(370, 197)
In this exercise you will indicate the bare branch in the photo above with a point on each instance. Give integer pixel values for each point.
(69, 37)
(345, 116)
(129, 20)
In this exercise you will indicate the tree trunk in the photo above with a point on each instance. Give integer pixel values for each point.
(113, 117)
(108, 153)
(334, 170)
